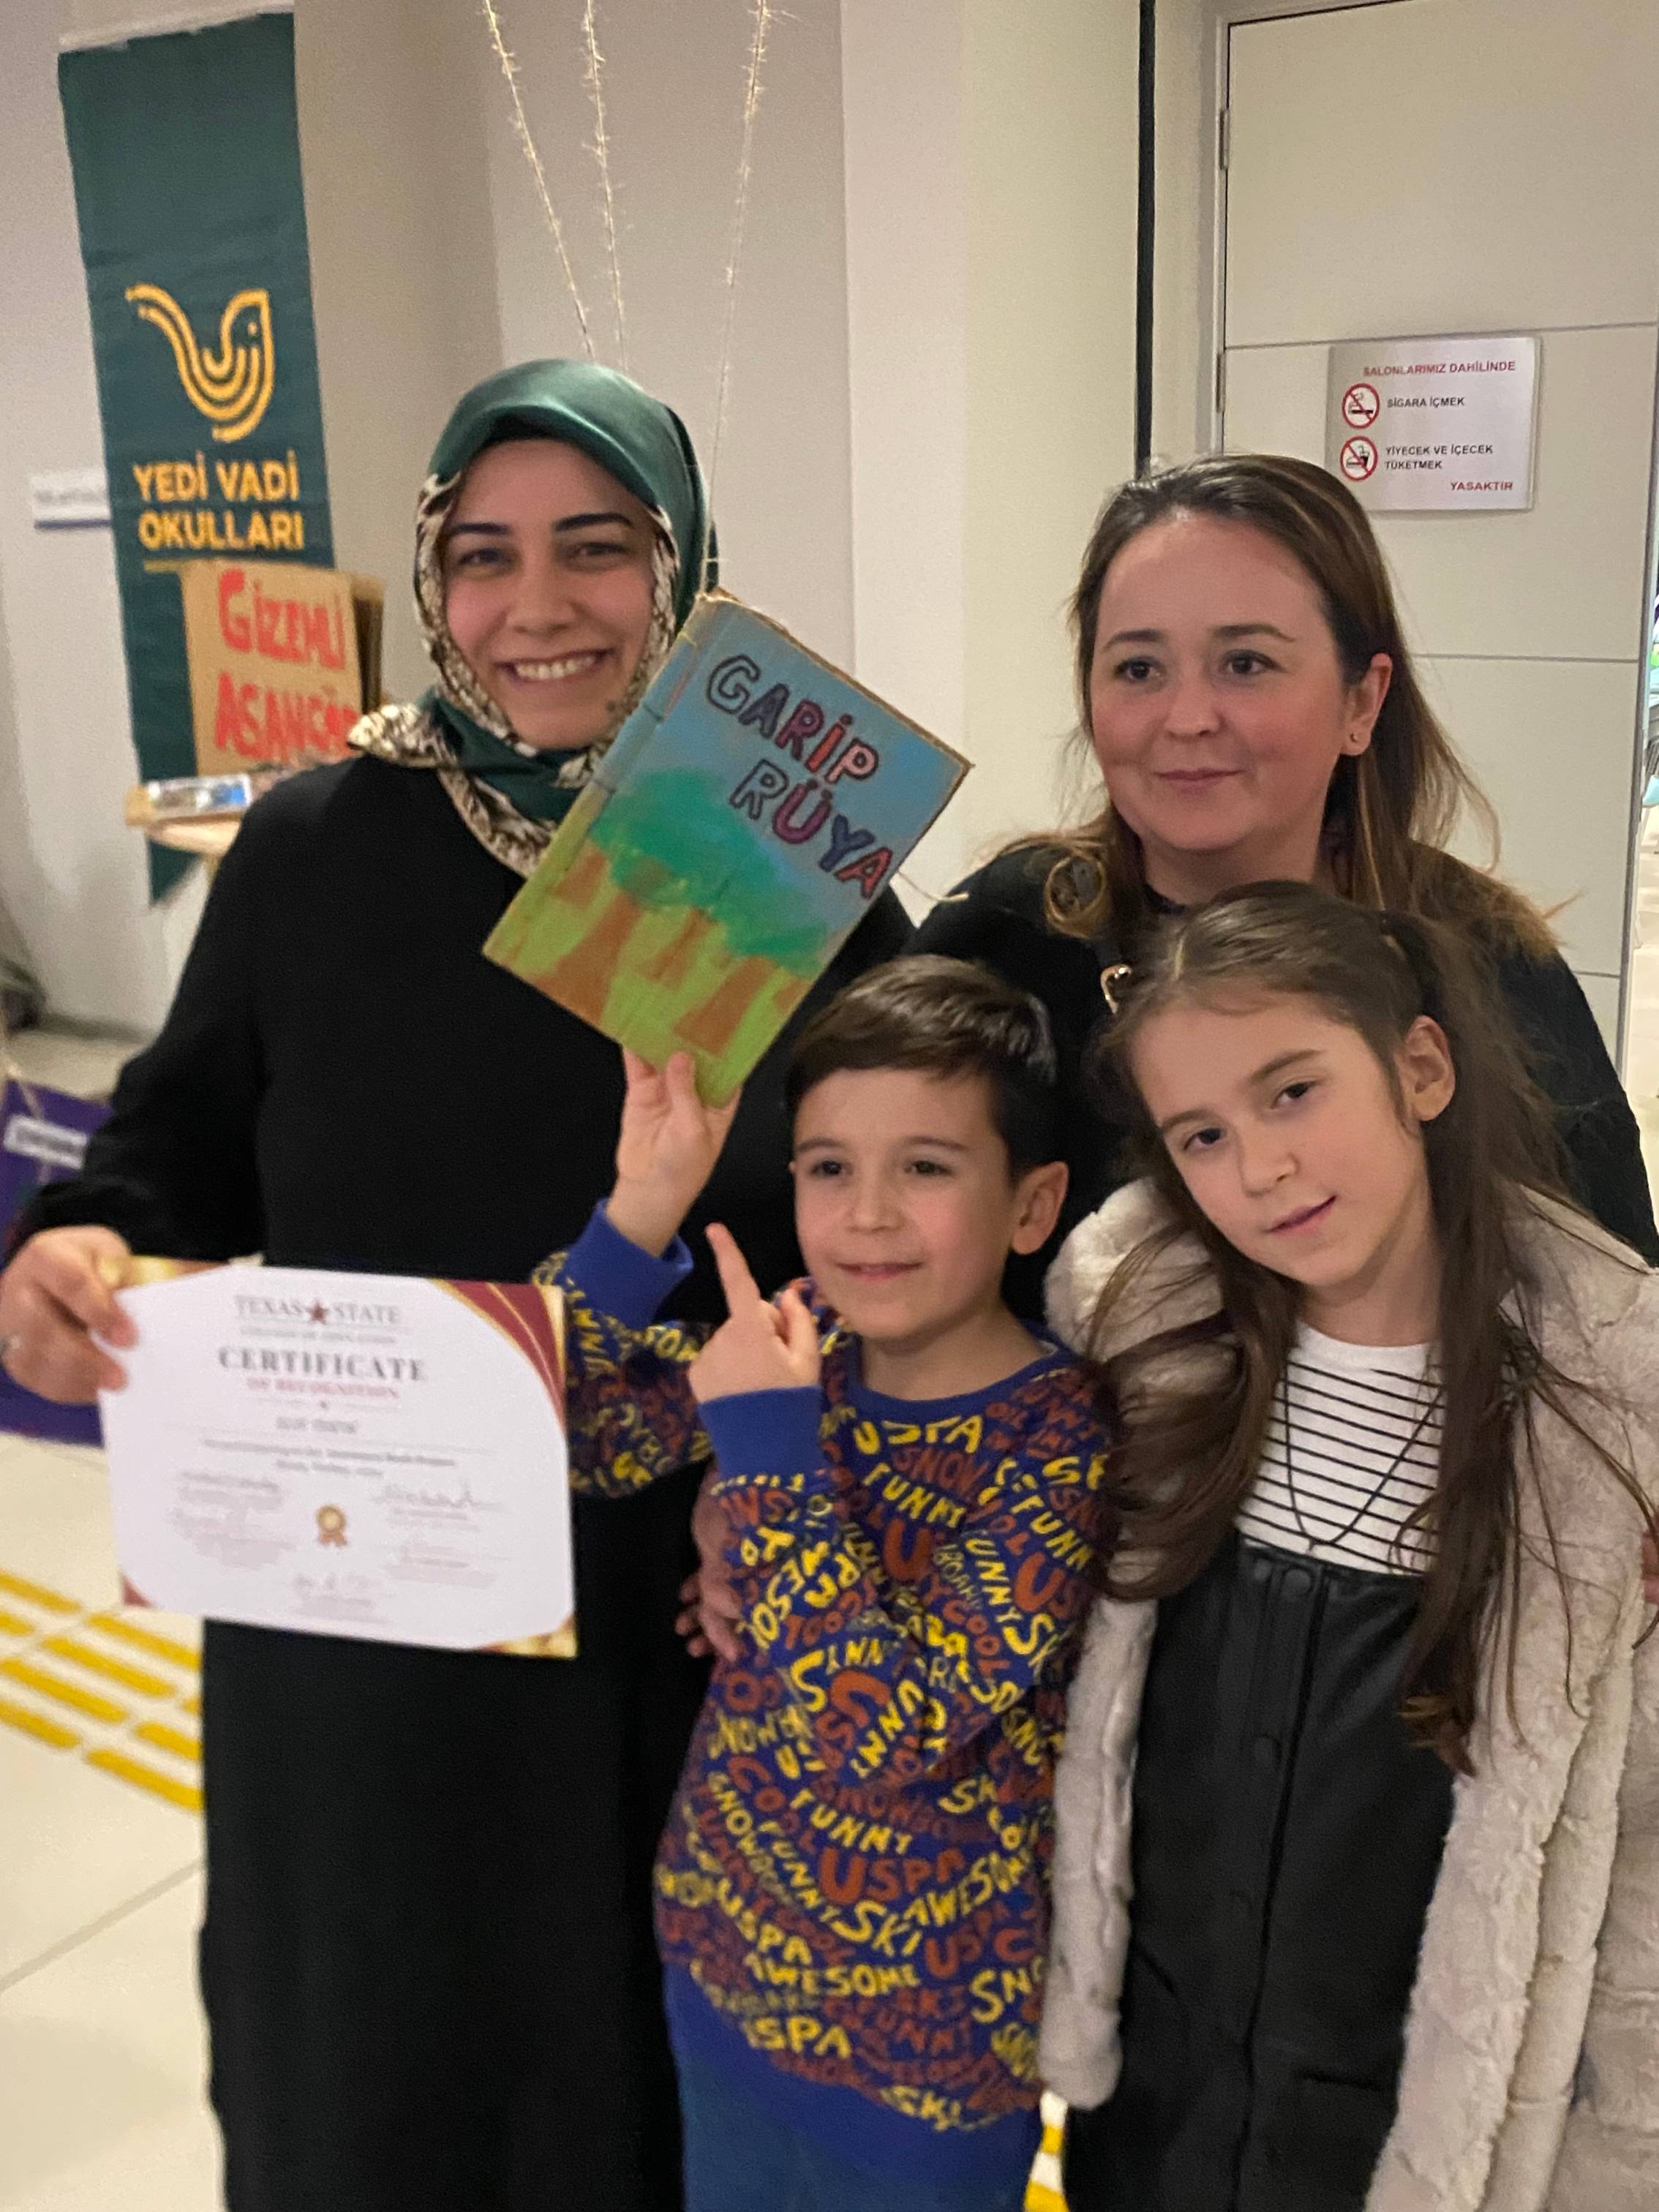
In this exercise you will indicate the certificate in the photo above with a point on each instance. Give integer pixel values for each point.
(372, 1456)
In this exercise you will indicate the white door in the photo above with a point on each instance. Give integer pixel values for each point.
(1427, 167)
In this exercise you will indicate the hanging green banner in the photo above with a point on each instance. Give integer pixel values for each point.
(185, 150)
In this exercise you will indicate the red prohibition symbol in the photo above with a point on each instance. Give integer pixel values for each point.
(1360, 406)
(1358, 459)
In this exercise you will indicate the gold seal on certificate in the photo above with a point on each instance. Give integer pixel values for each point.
(372, 1456)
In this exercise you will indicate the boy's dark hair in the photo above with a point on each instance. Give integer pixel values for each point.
(943, 1017)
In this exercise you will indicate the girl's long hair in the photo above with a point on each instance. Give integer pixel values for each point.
(1187, 1451)
(1391, 810)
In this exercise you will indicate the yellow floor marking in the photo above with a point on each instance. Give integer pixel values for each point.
(145, 1639)
(62, 1692)
(61, 1634)
(146, 1777)
(31, 1594)
(114, 1670)
(169, 1739)
(37, 1724)
(1045, 2191)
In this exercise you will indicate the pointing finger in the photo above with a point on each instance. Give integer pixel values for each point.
(742, 1293)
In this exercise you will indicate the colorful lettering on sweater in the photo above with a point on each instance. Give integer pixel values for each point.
(854, 1871)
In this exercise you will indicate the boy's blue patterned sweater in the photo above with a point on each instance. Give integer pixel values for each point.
(852, 1890)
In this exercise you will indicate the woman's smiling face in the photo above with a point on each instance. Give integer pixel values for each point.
(1219, 707)
(547, 568)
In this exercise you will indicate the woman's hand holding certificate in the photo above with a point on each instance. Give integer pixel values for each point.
(372, 1456)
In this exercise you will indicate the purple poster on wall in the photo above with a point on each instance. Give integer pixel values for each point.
(42, 1138)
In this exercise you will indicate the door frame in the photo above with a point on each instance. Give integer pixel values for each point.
(1215, 93)
(1214, 101)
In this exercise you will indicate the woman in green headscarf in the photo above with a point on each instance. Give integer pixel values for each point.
(569, 467)
(427, 1963)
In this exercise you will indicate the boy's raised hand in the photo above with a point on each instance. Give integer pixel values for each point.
(762, 1346)
(667, 1150)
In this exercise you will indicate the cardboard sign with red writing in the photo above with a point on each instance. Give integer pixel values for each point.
(274, 668)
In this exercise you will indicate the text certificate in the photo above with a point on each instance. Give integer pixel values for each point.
(372, 1456)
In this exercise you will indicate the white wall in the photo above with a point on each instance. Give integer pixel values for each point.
(908, 280)
(674, 94)
(933, 369)
(990, 197)
(1532, 627)
(1051, 331)
(403, 271)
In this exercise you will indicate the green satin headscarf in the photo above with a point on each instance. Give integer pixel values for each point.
(645, 446)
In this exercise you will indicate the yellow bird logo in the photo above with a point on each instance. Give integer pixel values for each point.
(231, 387)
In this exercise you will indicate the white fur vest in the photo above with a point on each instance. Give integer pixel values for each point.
(1530, 2082)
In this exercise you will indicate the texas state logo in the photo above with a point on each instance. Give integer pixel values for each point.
(231, 386)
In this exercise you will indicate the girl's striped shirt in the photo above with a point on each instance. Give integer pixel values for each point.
(1352, 1451)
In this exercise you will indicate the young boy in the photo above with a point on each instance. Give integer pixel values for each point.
(851, 1890)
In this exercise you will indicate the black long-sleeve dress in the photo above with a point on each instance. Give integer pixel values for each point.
(427, 1962)
(997, 917)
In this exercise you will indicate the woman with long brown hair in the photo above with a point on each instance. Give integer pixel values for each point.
(1385, 1411)
(1251, 702)
(1255, 715)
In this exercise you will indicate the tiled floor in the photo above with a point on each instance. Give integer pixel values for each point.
(102, 2058)
(101, 2052)
(101, 2062)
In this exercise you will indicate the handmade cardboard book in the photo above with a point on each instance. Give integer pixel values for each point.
(282, 658)
(751, 809)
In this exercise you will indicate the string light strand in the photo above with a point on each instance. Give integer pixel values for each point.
(521, 125)
(762, 24)
(595, 74)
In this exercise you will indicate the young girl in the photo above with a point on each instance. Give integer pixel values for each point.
(1356, 1878)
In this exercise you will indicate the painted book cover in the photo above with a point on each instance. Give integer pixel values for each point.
(749, 812)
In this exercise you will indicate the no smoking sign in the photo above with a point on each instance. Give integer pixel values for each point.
(1433, 425)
